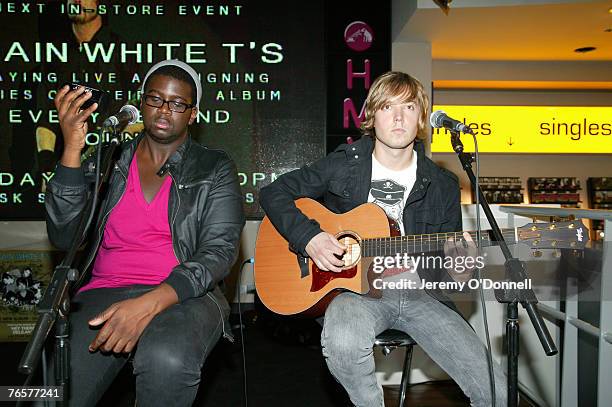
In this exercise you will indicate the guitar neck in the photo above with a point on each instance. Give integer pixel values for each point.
(416, 244)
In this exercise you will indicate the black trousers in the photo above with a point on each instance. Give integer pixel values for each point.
(167, 360)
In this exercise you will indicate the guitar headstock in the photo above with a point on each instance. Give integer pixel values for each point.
(557, 235)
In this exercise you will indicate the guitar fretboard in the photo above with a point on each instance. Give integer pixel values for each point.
(415, 244)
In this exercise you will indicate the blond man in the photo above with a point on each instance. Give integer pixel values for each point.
(387, 166)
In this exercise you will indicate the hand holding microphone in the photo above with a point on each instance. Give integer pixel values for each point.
(74, 105)
(73, 121)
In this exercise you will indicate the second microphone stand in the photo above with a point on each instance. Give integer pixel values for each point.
(54, 307)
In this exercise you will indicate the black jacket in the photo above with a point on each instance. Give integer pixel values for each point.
(342, 181)
(204, 210)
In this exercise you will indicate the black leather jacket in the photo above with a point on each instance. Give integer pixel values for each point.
(342, 181)
(204, 209)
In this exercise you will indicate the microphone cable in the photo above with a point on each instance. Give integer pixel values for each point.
(250, 260)
(480, 289)
(97, 183)
(99, 175)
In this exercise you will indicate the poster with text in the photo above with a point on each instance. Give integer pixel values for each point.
(261, 64)
(24, 275)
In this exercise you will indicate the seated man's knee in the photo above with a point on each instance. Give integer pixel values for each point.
(344, 340)
(167, 363)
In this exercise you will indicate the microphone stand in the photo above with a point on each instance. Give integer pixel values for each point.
(515, 271)
(54, 307)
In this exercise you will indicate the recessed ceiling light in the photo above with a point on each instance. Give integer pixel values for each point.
(585, 49)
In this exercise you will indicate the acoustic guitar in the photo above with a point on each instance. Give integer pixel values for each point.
(287, 283)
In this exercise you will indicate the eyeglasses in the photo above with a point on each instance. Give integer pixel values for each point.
(158, 102)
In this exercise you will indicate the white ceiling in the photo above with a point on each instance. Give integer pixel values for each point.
(511, 30)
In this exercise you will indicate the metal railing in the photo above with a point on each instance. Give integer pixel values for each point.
(569, 350)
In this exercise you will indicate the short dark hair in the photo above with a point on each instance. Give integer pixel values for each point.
(176, 73)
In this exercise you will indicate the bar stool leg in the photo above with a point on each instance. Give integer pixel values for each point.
(405, 375)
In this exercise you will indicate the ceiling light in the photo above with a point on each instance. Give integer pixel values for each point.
(583, 50)
(444, 5)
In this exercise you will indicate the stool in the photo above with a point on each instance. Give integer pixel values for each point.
(391, 339)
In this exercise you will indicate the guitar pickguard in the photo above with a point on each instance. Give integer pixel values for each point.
(321, 278)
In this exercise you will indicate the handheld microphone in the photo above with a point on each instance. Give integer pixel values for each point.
(440, 119)
(128, 114)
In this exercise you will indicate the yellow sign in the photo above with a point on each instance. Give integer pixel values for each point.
(530, 129)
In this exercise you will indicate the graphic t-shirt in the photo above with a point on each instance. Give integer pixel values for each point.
(389, 189)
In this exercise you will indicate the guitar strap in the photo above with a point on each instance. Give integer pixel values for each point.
(303, 263)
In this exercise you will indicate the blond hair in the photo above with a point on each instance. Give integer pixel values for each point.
(401, 88)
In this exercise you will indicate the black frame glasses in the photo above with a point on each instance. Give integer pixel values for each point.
(177, 107)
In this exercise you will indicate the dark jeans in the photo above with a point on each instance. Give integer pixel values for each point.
(167, 360)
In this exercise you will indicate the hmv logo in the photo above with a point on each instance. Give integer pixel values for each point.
(359, 37)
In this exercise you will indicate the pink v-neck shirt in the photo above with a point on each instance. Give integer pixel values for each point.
(137, 243)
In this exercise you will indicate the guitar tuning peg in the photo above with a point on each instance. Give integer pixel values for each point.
(556, 253)
(536, 253)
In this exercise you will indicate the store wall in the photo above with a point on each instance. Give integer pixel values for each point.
(528, 165)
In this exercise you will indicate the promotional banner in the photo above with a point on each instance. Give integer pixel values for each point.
(261, 64)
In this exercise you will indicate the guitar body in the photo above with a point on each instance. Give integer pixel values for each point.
(289, 284)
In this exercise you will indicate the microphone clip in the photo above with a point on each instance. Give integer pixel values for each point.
(163, 169)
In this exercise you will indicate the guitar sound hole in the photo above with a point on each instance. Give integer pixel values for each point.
(351, 241)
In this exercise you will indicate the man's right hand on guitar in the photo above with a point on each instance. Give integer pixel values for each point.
(323, 249)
